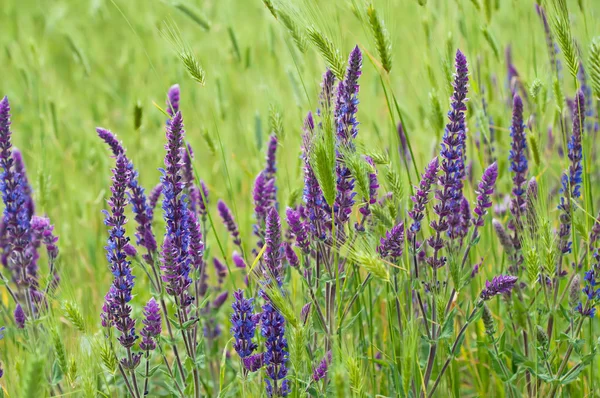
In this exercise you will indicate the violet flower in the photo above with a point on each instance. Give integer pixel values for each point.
(238, 260)
(244, 322)
(453, 154)
(501, 284)
(20, 316)
(152, 325)
(392, 245)
(273, 252)
(117, 307)
(219, 301)
(263, 196)
(320, 371)
(141, 208)
(518, 162)
(16, 217)
(373, 188)
(291, 255)
(276, 355)
(421, 197)
(484, 191)
(346, 105)
(27, 191)
(229, 222)
(572, 179)
(196, 246)
(254, 362)
(173, 96)
(298, 229)
(175, 250)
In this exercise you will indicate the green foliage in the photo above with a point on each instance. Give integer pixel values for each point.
(382, 38)
(329, 51)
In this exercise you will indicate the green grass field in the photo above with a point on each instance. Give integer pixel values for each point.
(71, 66)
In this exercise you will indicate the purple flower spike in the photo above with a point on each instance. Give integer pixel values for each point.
(219, 301)
(484, 191)
(321, 371)
(501, 284)
(347, 99)
(453, 156)
(238, 260)
(16, 219)
(117, 305)
(276, 355)
(263, 196)
(273, 253)
(20, 317)
(518, 161)
(43, 232)
(27, 191)
(298, 229)
(173, 97)
(229, 222)
(254, 362)
(291, 255)
(392, 246)
(141, 208)
(175, 250)
(152, 325)
(244, 322)
(220, 268)
(271, 167)
(196, 247)
(572, 179)
(421, 197)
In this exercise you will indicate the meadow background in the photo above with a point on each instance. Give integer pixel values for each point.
(70, 66)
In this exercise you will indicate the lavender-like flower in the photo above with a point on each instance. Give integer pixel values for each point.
(291, 255)
(421, 197)
(392, 245)
(196, 247)
(346, 105)
(27, 190)
(229, 222)
(254, 362)
(152, 325)
(518, 162)
(298, 229)
(16, 219)
(173, 97)
(153, 199)
(571, 180)
(263, 196)
(452, 164)
(271, 167)
(373, 188)
(137, 196)
(320, 371)
(273, 252)
(219, 301)
(276, 355)
(347, 128)
(403, 148)
(501, 284)
(244, 322)
(453, 155)
(20, 316)
(117, 301)
(175, 251)
(484, 191)
(238, 260)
